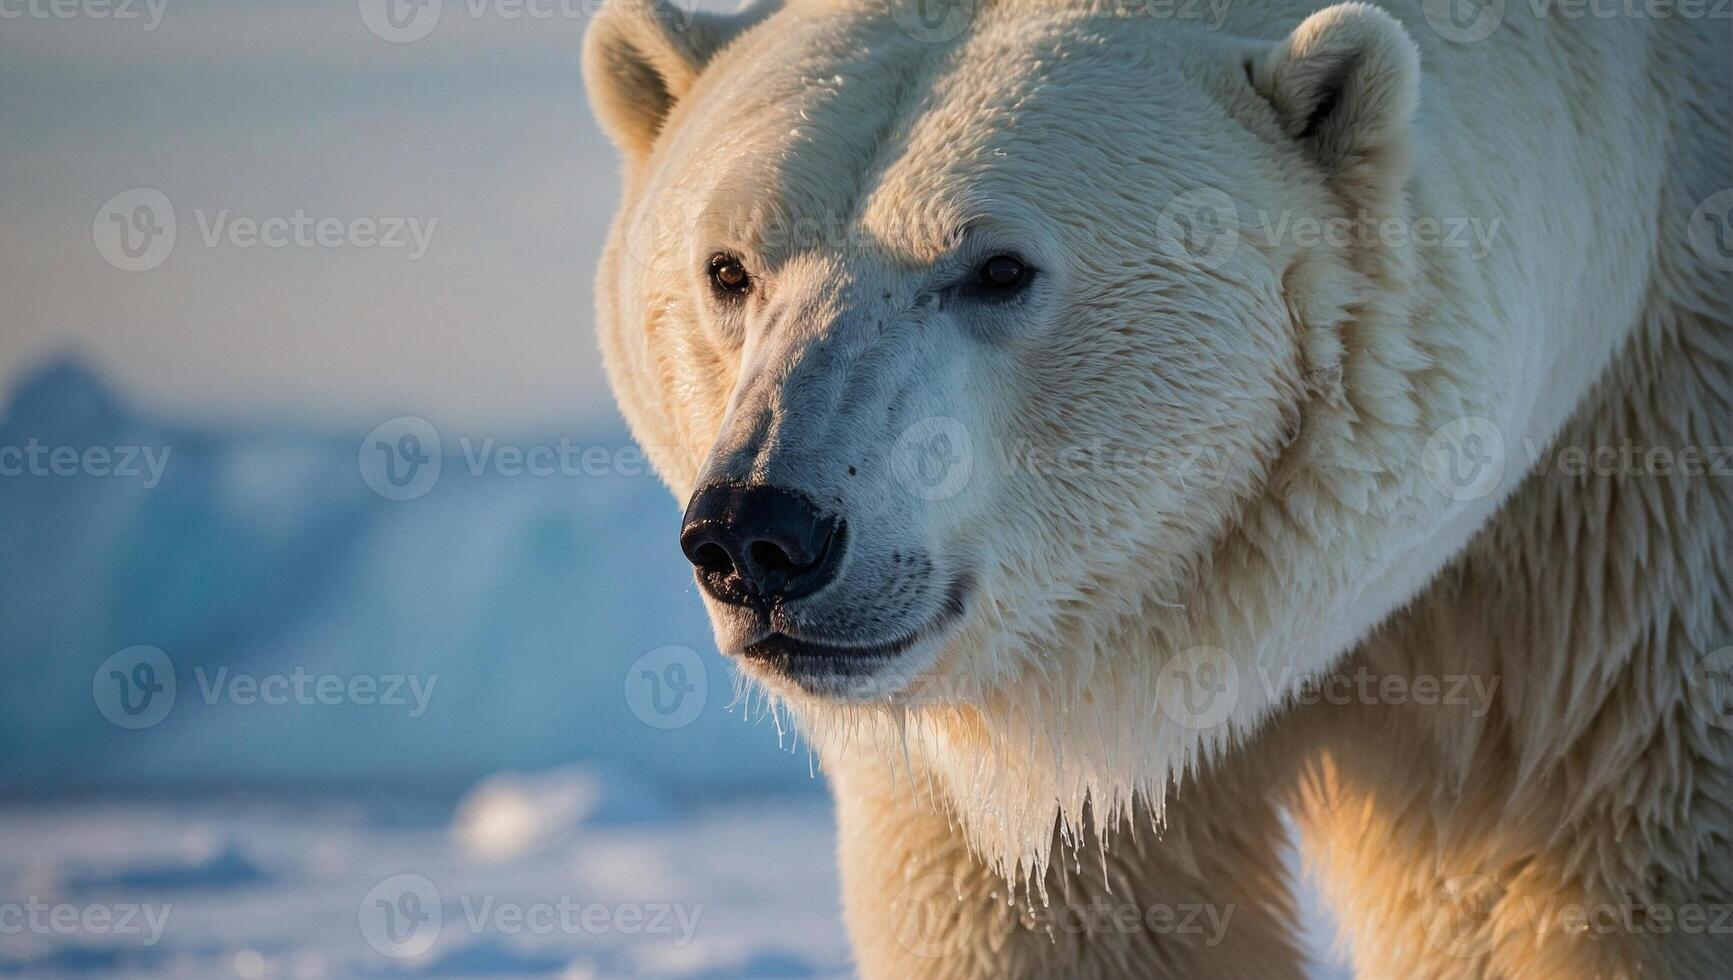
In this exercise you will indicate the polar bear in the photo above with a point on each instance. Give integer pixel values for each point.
(1110, 426)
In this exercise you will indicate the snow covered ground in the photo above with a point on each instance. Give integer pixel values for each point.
(327, 887)
(525, 878)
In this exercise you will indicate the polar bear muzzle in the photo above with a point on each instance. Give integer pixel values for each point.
(760, 546)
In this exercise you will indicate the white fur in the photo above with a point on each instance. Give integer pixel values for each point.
(1315, 375)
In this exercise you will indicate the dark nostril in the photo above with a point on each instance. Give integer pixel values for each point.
(767, 556)
(759, 544)
(712, 557)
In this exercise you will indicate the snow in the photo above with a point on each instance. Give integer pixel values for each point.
(290, 888)
(268, 887)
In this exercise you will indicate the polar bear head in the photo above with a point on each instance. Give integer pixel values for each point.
(989, 409)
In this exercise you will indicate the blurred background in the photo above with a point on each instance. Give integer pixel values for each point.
(346, 632)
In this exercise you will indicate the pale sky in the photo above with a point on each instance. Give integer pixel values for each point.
(478, 131)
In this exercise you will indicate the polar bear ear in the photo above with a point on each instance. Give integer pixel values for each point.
(642, 56)
(1345, 84)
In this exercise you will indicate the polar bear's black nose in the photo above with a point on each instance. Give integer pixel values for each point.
(759, 545)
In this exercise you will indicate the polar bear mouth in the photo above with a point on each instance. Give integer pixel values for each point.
(810, 662)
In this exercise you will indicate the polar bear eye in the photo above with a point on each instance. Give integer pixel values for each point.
(1003, 273)
(728, 275)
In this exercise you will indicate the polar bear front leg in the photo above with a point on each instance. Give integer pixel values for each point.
(1206, 899)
